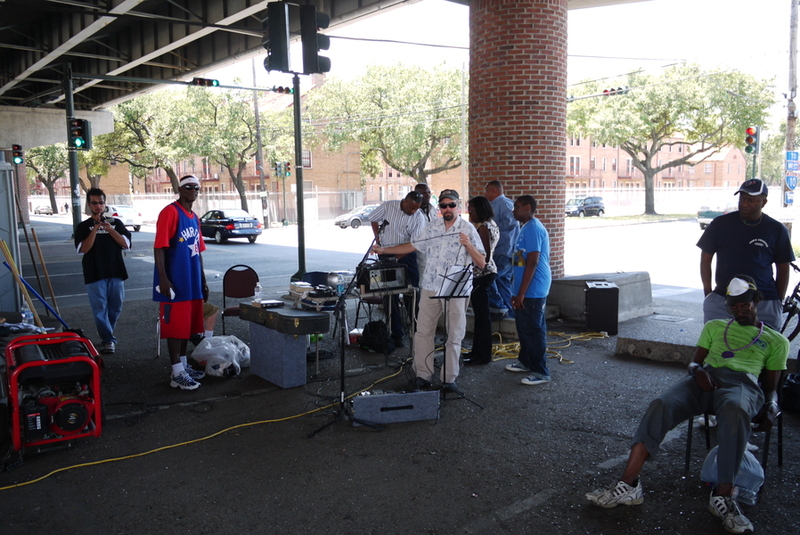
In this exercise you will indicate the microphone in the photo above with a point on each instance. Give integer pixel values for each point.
(383, 225)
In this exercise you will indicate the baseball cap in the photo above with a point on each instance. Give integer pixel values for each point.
(753, 187)
(741, 289)
(448, 194)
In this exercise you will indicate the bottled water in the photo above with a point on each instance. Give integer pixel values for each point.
(27, 315)
(257, 294)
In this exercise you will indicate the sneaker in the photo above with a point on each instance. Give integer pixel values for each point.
(108, 348)
(535, 379)
(517, 366)
(727, 508)
(184, 382)
(618, 493)
(194, 374)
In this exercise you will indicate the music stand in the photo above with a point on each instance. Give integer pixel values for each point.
(456, 284)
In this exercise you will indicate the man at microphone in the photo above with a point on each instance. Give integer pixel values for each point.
(393, 223)
(446, 242)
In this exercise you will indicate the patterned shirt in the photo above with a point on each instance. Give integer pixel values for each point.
(494, 236)
(443, 250)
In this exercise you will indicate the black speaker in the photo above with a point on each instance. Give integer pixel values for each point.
(602, 306)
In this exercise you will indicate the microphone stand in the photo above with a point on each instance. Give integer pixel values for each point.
(344, 412)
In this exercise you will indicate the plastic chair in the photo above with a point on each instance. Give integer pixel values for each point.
(237, 283)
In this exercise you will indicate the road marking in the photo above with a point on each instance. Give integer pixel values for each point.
(485, 524)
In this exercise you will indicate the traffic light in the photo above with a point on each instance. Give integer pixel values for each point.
(205, 82)
(80, 134)
(751, 139)
(276, 37)
(17, 157)
(311, 21)
(615, 91)
(287, 169)
(285, 90)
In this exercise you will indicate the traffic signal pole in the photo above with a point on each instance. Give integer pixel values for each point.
(298, 165)
(74, 181)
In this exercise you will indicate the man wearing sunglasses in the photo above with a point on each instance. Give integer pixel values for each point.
(446, 242)
(722, 378)
(179, 284)
(101, 242)
(393, 223)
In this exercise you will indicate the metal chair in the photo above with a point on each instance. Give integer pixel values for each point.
(237, 283)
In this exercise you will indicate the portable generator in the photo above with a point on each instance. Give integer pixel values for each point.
(53, 386)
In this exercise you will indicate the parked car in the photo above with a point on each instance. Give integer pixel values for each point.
(707, 213)
(583, 206)
(223, 225)
(43, 210)
(355, 217)
(129, 216)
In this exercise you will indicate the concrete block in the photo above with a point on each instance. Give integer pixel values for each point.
(635, 294)
(658, 351)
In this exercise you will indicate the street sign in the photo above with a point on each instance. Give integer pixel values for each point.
(791, 182)
(792, 166)
(792, 155)
(789, 198)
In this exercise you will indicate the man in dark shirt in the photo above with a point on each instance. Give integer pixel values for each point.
(101, 242)
(751, 242)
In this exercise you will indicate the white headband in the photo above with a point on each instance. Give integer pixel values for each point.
(189, 180)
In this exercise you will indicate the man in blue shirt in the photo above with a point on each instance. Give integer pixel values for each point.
(531, 285)
(500, 290)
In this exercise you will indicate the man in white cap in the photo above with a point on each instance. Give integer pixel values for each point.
(746, 241)
(179, 283)
(722, 378)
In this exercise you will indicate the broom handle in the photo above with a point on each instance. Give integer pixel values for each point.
(23, 289)
(44, 268)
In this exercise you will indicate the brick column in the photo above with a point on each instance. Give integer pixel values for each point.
(517, 106)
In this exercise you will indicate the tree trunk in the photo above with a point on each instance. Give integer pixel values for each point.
(52, 191)
(649, 193)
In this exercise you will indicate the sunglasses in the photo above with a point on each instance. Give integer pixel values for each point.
(196, 188)
(444, 205)
(96, 203)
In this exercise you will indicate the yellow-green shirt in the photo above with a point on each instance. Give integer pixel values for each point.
(769, 352)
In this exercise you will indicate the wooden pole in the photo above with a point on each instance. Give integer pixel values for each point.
(23, 289)
(44, 268)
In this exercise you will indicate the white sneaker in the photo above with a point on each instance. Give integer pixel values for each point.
(184, 382)
(727, 508)
(194, 374)
(618, 493)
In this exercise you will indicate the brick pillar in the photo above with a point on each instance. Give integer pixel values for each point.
(517, 106)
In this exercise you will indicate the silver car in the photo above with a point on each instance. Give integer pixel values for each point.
(129, 216)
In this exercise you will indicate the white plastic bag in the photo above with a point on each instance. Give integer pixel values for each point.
(748, 480)
(222, 355)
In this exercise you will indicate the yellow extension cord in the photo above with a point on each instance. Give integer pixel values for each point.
(499, 352)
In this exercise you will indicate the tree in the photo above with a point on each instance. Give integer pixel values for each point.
(49, 163)
(405, 117)
(223, 124)
(772, 154)
(150, 131)
(698, 112)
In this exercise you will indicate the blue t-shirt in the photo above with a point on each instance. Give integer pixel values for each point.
(747, 249)
(532, 237)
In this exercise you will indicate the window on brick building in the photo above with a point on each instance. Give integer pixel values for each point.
(574, 165)
(603, 164)
(307, 159)
(593, 163)
(614, 165)
(629, 167)
(708, 168)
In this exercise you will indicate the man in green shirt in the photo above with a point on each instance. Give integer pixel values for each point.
(730, 358)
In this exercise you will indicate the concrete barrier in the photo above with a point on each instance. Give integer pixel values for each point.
(635, 295)
(658, 351)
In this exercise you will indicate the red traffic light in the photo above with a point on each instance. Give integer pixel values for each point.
(751, 140)
(751, 131)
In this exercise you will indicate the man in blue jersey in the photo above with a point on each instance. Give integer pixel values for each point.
(500, 290)
(746, 241)
(529, 290)
(179, 282)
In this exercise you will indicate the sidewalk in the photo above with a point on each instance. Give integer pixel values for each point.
(236, 457)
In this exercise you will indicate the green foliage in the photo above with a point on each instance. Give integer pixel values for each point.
(773, 155)
(403, 116)
(702, 112)
(49, 163)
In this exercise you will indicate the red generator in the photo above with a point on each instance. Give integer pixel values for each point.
(53, 390)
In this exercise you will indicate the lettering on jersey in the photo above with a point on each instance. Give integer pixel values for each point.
(190, 236)
(759, 242)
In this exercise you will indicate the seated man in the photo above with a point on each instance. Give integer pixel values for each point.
(723, 378)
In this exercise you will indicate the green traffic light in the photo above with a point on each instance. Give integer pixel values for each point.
(750, 149)
(18, 160)
(78, 142)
